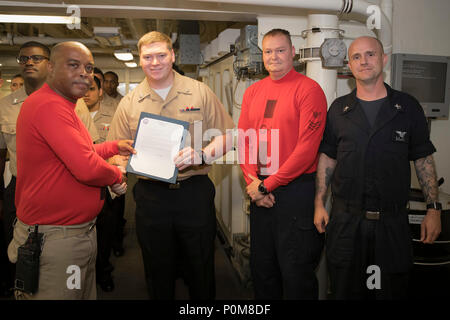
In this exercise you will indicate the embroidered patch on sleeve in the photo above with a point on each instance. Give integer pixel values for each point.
(315, 123)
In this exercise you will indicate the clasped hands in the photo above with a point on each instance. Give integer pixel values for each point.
(120, 188)
(125, 149)
(260, 199)
(189, 156)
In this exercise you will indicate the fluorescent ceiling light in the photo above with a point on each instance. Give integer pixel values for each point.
(131, 64)
(18, 18)
(106, 31)
(123, 55)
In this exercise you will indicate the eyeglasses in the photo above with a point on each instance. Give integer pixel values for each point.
(35, 58)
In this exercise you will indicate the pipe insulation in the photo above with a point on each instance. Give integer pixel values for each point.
(19, 40)
(331, 6)
(326, 78)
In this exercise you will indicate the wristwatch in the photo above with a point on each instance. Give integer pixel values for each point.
(262, 188)
(435, 205)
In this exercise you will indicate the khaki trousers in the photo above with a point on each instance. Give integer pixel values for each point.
(67, 261)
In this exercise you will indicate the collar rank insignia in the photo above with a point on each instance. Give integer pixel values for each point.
(398, 107)
(400, 136)
(346, 108)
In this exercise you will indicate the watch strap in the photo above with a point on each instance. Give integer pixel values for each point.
(434, 205)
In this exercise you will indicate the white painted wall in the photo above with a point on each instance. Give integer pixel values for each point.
(422, 27)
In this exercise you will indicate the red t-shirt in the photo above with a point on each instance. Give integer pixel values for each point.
(297, 107)
(60, 171)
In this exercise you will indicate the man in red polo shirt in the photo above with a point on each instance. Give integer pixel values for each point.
(62, 177)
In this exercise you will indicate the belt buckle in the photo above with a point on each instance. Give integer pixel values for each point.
(173, 186)
(373, 215)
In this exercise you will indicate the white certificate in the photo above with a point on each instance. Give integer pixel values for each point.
(158, 141)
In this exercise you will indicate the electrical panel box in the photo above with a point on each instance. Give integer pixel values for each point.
(248, 55)
(189, 52)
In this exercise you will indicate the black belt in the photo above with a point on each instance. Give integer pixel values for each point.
(372, 214)
(171, 186)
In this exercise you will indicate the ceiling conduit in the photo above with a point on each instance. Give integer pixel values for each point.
(340, 7)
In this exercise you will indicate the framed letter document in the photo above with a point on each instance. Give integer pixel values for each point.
(158, 141)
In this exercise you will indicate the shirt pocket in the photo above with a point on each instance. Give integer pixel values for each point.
(396, 148)
(9, 128)
(132, 129)
(346, 159)
(394, 162)
(196, 128)
(398, 142)
(192, 116)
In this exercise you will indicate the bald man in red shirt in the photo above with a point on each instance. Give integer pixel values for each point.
(62, 177)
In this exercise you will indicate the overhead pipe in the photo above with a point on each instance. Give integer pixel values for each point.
(387, 9)
(19, 40)
(329, 5)
(336, 6)
(325, 77)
